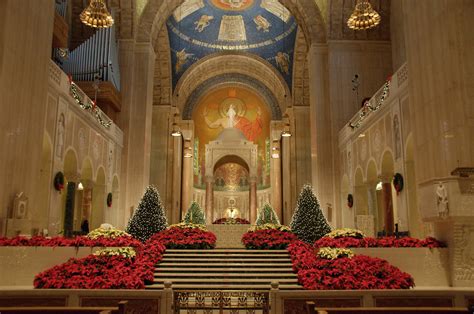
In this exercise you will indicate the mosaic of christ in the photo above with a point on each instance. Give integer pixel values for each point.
(232, 107)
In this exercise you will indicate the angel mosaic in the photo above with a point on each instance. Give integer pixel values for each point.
(282, 59)
(181, 58)
(204, 21)
(234, 4)
(262, 23)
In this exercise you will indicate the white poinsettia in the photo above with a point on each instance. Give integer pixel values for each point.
(333, 253)
(126, 252)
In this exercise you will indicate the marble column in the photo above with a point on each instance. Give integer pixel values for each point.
(253, 199)
(276, 178)
(440, 72)
(320, 125)
(210, 199)
(25, 57)
(137, 61)
(388, 207)
(187, 180)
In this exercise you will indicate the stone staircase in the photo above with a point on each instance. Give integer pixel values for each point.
(225, 269)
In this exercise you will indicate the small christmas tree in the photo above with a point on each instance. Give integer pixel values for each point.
(266, 215)
(308, 221)
(149, 218)
(195, 215)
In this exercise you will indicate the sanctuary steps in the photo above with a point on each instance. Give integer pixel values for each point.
(225, 269)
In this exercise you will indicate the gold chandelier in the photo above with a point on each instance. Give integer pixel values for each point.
(97, 15)
(363, 17)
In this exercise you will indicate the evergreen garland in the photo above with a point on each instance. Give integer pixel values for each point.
(308, 221)
(149, 217)
(266, 215)
(195, 215)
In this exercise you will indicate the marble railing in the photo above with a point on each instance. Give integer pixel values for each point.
(84, 106)
(378, 104)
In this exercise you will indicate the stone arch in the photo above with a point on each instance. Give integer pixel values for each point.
(231, 158)
(222, 63)
(306, 13)
(387, 163)
(371, 171)
(70, 164)
(232, 79)
(87, 170)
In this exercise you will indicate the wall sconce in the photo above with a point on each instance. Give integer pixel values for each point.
(378, 187)
(286, 133)
(187, 153)
(176, 132)
(80, 187)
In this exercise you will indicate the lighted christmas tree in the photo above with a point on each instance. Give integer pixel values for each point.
(195, 215)
(308, 221)
(266, 215)
(149, 218)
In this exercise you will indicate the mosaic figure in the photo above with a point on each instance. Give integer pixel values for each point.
(181, 58)
(203, 22)
(262, 23)
(283, 61)
(234, 4)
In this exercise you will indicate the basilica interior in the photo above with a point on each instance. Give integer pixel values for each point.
(233, 104)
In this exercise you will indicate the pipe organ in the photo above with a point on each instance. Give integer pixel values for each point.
(97, 57)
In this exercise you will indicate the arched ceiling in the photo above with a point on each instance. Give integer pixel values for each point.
(198, 28)
(235, 63)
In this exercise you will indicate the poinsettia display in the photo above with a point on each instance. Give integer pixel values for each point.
(149, 218)
(121, 241)
(107, 232)
(110, 269)
(186, 236)
(346, 232)
(344, 273)
(268, 239)
(333, 253)
(346, 242)
(231, 221)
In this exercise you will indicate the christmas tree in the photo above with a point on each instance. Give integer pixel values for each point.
(266, 215)
(149, 218)
(195, 215)
(308, 221)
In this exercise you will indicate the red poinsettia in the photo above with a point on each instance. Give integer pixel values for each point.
(358, 272)
(268, 239)
(77, 241)
(104, 272)
(186, 238)
(367, 242)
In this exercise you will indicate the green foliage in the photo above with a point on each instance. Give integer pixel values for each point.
(149, 218)
(266, 215)
(195, 215)
(308, 221)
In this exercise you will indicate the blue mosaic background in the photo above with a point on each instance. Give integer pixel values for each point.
(280, 37)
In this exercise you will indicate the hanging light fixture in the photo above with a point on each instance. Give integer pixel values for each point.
(363, 17)
(97, 15)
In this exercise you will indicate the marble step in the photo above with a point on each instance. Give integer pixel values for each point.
(224, 274)
(224, 260)
(224, 264)
(235, 281)
(220, 251)
(189, 270)
(225, 255)
(206, 286)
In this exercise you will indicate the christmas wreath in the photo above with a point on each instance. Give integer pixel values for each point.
(350, 200)
(398, 182)
(109, 200)
(59, 181)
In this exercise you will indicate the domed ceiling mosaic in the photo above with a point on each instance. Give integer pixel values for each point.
(265, 28)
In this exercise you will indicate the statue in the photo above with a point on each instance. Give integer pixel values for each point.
(60, 140)
(20, 206)
(231, 211)
(442, 200)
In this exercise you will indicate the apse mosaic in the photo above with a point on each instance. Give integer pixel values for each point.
(198, 28)
(240, 108)
(231, 177)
